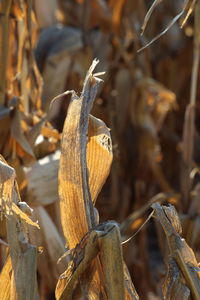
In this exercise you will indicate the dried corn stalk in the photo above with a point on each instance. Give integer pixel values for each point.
(22, 284)
(183, 278)
(81, 177)
(77, 212)
(76, 207)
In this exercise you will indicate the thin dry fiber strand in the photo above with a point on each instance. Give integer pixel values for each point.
(173, 21)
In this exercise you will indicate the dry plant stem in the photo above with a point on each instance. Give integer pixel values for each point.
(76, 207)
(4, 20)
(189, 124)
(23, 255)
(106, 241)
(195, 67)
(189, 276)
(112, 263)
(179, 250)
(76, 203)
(67, 286)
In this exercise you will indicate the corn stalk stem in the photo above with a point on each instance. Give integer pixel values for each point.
(4, 23)
(189, 124)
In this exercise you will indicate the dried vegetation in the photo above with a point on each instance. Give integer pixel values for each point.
(64, 174)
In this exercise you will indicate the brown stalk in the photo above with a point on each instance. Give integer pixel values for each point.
(189, 275)
(77, 213)
(112, 262)
(189, 123)
(66, 283)
(84, 166)
(103, 240)
(4, 20)
(76, 207)
(23, 285)
(180, 252)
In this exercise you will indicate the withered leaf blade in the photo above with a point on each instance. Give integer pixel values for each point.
(23, 254)
(181, 254)
(72, 206)
(66, 283)
(7, 183)
(76, 177)
(99, 155)
(174, 286)
(77, 213)
(23, 216)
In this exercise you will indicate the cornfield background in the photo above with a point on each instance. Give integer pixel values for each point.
(100, 149)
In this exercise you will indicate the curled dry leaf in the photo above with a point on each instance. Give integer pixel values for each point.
(82, 175)
(23, 216)
(74, 189)
(88, 251)
(45, 170)
(8, 206)
(105, 240)
(99, 155)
